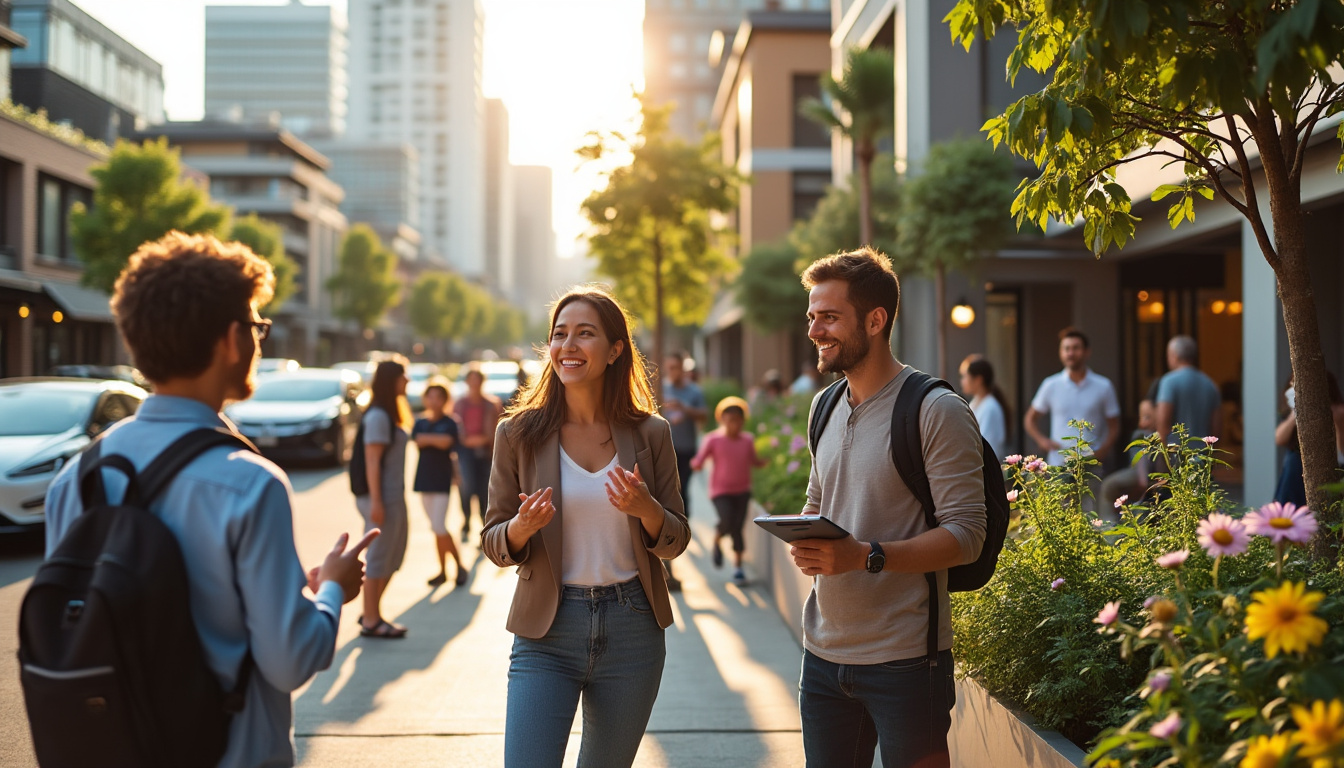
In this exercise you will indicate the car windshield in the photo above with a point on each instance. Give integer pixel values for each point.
(31, 411)
(296, 390)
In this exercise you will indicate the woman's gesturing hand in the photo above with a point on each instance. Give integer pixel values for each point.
(533, 515)
(628, 492)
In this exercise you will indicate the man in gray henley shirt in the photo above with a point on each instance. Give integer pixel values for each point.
(866, 676)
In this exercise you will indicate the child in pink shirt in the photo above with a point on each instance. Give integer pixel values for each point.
(734, 454)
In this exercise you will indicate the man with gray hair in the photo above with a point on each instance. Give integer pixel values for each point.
(1186, 395)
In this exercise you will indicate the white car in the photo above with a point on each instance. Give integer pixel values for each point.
(44, 423)
(277, 365)
(311, 414)
(364, 368)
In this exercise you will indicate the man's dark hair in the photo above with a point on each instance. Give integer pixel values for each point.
(178, 296)
(1074, 333)
(872, 282)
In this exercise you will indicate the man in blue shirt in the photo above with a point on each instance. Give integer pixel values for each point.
(1186, 395)
(186, 307)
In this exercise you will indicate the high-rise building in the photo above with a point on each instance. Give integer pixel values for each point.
(538, 276)
(382, 189)
(288, 59)
(499, 201)
(81, 72)
(415, 76)
(686, 44)
(9, 40)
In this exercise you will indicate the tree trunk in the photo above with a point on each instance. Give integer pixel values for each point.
(866, 155)
(658, 323)
(940, 288)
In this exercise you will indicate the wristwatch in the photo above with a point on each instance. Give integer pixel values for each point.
(877, 559)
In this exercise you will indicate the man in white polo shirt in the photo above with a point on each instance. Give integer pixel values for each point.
(1074, 393)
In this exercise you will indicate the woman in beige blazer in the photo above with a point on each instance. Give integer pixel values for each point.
(584, 500)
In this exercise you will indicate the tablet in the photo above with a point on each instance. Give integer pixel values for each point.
(795, 527)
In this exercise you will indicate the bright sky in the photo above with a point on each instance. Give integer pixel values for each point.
(563, 67)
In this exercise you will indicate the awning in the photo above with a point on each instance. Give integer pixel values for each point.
(19, 281)
(78, 302)
(725, 314)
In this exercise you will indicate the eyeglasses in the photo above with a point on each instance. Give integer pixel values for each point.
(262, 327)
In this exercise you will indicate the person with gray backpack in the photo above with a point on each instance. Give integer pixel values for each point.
(899, 463)
(167, 626)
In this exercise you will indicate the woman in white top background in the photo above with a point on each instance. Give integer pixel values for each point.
(585, 499)
(987, 402)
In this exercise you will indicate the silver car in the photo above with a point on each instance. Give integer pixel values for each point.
(43, 424)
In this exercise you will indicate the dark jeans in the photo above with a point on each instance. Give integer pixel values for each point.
(684, 474)
(849, 709)
(475, 483)
(732, 509)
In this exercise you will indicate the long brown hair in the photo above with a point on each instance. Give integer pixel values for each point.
(385, 378)
(540, 409)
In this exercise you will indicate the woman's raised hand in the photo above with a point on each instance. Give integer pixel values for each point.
(628, 492)
(534, 513)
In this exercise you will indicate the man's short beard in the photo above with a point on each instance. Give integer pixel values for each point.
(849, 354)
(243, 380)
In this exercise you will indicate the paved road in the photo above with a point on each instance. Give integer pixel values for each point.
(437, 697)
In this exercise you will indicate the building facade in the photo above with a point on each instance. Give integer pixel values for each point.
(382, 189)
(289, 59)
(501, 260)
(415, 77)
(83, 73)
(539, 277)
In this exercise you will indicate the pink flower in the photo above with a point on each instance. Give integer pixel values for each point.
(1220, 534)
(1149, 602)
(1210, 440)
(1120, 502)
(797, 444)
(1037, 465)
(1056, 584)
(1160, 681)
(790, 412)
(1098, 523)
(1167, 728)
(1282, 522)
(1108, 615)
(792, 468)
(1016, 458)
(788, 430)
(774, 441)
(1173, 560)
(1012, 496)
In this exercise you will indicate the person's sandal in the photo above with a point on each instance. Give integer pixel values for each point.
(461, 579)
(382, 630)
(442, 578)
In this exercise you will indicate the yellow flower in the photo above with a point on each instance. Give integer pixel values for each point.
(1320, 730)
(1266, 752)
(1283, 617)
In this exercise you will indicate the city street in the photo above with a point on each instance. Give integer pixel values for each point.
(437, 698)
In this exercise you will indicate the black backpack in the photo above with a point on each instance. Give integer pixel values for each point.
(359, 477)
(907, 453)
(111, 664)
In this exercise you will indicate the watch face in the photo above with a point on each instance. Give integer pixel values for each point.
(876, 562)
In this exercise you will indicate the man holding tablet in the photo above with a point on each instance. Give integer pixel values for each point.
(868, 677)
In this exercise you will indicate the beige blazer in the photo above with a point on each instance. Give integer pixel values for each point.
(518, 470)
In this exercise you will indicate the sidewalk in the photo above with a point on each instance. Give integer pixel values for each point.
(728, 697)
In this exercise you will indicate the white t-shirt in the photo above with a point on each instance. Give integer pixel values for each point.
(993, 426)
(1092, 400)
(597, 549)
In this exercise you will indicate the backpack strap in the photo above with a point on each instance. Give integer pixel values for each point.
(92, 493)
(830, 397)
(182, 452)
(907, 453)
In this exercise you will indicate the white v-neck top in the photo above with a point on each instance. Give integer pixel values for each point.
(597, 550)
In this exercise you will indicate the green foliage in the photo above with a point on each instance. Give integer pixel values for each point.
(834, 225)
(431, 310)
(140, 196)
(715, 390)
(1188, 81)
(365, 285)
(957, 208)
(781, 439)
(768, 289)
(267, 240)
(865, 96)
(510, 326)
(59, 131)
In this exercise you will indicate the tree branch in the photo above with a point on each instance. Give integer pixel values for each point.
(1195, 157)
(1252, 212)
(1306, 128)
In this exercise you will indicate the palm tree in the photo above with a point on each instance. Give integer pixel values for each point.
(862, 106)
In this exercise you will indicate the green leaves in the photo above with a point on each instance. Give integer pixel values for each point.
(267, 240)
(365, 285)
(863, 101)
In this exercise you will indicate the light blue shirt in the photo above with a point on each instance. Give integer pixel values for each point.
(231, 513)
(1092, 400)
(1194, 399)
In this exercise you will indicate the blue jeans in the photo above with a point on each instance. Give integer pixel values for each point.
(848, 709)
(606, 645)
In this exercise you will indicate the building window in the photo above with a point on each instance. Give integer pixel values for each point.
(678, 70)
(55, 199)
(808, 189)
(807, 132)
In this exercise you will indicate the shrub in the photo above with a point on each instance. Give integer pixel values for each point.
(781, 438)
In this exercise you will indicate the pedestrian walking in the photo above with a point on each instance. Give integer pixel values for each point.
(874, 671)
(1292, 486)
(477, 415)
(591, 603)
(685, 409)
(1075, 393)
(384, 504)
(186, 307)
(435, 435)
(988, 402)
(734, 454)
(1186, 395)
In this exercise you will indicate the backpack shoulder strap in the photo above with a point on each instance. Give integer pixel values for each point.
(182, 452)
(826, 402)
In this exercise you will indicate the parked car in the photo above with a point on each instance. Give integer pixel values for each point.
(118, 372)
(364, 368)
(43, 424)
(311, 414)
(419, 375)
(277, 365)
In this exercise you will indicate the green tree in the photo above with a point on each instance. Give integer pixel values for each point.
(1205, 86)
(862, 107)
(267, 240)
(954, 212)
(834, 225)
(510, 325)
(365, 285)
(428, 307)
(140, 196)
(653, 231)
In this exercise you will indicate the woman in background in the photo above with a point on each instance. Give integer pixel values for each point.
(384, 506)
(987, 402)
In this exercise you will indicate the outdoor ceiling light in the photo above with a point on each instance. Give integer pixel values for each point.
(963, 314)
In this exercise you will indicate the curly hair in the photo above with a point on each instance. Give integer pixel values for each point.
(180, 294)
